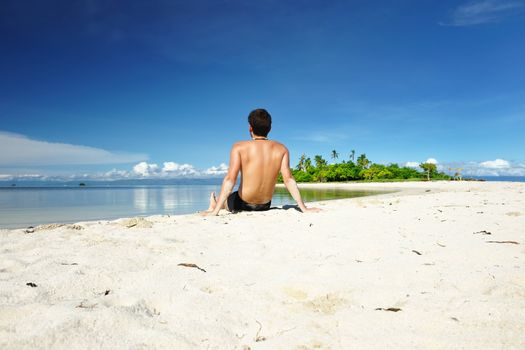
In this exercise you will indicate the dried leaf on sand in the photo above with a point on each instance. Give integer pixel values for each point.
(483, 232)
(391, 309)
(191, 265)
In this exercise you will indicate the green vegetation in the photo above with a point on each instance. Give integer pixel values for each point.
(362, 170)
(429, 168)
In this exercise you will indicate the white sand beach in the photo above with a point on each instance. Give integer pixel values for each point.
(438, 265)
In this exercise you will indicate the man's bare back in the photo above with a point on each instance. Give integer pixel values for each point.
(259, 161)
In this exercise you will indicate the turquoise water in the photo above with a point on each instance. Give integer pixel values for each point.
(30, 206)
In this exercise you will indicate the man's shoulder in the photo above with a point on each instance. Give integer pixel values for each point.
(279, 144)
(240, 144)
(246, 143)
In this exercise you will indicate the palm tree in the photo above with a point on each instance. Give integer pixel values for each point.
(352, 155)
(335, 155)
(362, 161)
(301, 165)
(319, 162)
(307, 164)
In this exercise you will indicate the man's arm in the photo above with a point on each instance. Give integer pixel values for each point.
(229, 180)
(291, 185)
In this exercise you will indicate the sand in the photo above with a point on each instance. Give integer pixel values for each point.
(435, 266)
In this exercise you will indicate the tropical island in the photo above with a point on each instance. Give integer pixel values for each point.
(362, 169)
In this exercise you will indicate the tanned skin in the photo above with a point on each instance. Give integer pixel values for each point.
(259, 161)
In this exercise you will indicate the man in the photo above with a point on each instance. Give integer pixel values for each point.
(259, 162)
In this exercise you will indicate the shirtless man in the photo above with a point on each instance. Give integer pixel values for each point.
(259, 162)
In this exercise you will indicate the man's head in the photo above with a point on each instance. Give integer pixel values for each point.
(260, 121)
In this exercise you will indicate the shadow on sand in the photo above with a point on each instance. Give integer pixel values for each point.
(286, 207)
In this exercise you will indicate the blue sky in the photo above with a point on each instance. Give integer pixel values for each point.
(164, 87)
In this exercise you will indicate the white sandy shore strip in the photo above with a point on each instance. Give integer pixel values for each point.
(279, 279)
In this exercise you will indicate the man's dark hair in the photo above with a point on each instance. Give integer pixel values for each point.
(260, 121)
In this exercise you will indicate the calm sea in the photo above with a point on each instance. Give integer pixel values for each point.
(30, 206)
(500, 178)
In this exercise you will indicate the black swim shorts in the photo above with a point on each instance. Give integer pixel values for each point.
(235, 204)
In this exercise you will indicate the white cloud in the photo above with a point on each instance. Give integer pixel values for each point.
(481, 12)
(495, 164)
(31, 176)
(20, 150)
(178, 169)
(498, 167)
(415, 165)
(6, 177)
(168, 170)
(222, 169)
(144, 169)
(115, 174)
(170, 166)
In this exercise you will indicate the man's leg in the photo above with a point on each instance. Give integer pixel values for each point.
(213, 202)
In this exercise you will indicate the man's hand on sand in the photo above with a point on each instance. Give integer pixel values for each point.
(207, 213)
(312, 210)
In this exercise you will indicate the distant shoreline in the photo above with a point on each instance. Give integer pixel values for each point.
(215, 181)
